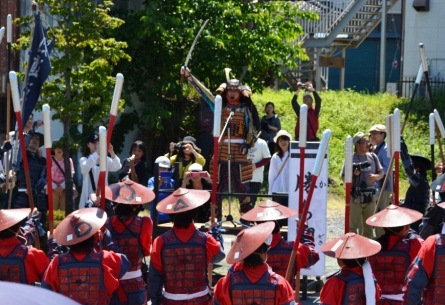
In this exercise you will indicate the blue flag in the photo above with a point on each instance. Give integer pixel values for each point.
(39, 68)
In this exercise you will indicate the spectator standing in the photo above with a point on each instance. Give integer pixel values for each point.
(366, 172)
(312, 113)
(70, 274)
(198, 179)
(186, 282)
(279, 167)
(377, 136)
(270, 125)
(249, 279)
(354, 283)
(259, 155)
(187, 154)
(58, 176)
(89, 166)
(133, 235)
(400, 245)
(166, 183)
(134, 167)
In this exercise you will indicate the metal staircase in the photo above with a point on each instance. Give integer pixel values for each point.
(342, 24)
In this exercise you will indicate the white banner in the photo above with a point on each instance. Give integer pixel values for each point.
(316, 217)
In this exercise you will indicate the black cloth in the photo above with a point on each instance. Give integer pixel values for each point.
(141, 171)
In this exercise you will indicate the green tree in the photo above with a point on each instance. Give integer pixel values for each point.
(260, 37)
(83, 61)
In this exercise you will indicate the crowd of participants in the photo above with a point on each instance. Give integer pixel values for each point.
(106, 254)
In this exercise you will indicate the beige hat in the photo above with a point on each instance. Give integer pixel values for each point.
(358, 136)
(378, 127)
(163, 162)
(195, 167)
(282, 133)
(394, 216)
(307, 94)
(182, 200)
(351, 246)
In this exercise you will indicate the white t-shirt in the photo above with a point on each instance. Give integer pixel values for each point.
(279, 183)
(256, 154)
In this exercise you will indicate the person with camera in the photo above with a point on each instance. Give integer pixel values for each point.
(377, 136)
(187, 153)
(270, 125)
(367, 170)
(312, 112)
(198, 179)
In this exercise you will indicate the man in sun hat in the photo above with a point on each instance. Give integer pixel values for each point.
(250, 280)
(279, 254)
(84, 274)
(424, 279)
(133, 235)
(354, 283)
(180, 256)
(366, 171)
(18, 262)
(312, 113)
(377, 136)
(400, 245)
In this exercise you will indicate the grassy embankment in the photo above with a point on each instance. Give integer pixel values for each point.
(347, 112)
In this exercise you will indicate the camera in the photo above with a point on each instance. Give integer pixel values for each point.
(179, 146)
(360, 165)
(198, 175)
(302, 86)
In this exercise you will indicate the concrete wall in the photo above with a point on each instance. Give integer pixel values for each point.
(427, 28)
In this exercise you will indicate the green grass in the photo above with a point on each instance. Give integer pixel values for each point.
(347, 112)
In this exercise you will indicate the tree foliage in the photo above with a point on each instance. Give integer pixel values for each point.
(83, 61)
(260, 37)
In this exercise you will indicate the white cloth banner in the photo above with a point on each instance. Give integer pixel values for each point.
(316, 217)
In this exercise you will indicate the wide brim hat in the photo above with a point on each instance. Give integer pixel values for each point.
(351, 246)
(20, 294)
(422, 162)
(248, 240)
(35, 134)
(282, 133)
(394, 216)
(129, 192)
(190, 140)
(358, 136)
(269, 210)
(438, 185)
(8, 218)
(378, 128)
(183, 200)
(79, 226)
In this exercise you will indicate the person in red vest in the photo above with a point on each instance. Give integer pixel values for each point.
(133, 235)
(280, 251)
(400, 245)
(424, 280)
(312, 113)
(180, 256)
(18, 262)
(249, 279)
(84, 274)
(354, 283)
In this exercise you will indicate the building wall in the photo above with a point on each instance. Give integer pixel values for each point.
(427, 28)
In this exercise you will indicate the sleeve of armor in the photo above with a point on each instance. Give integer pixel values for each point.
(332, 292)
(308, 240)
(155, 285)
(215, 248)
(28, 231)
(420, 271)
(108, 243)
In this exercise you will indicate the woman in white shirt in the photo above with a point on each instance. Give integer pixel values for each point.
(89, 166)
(279, 167)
